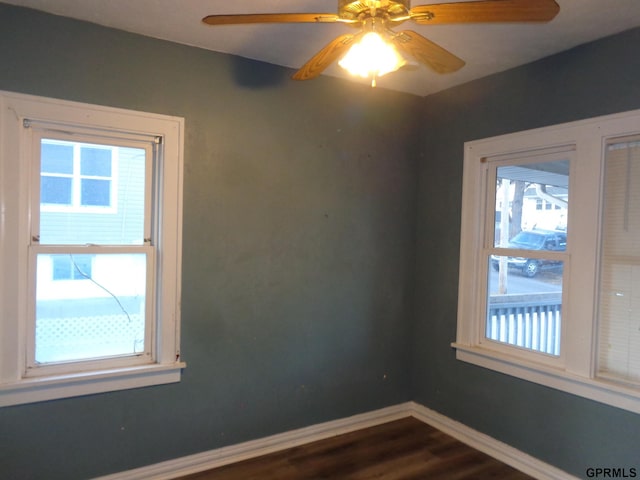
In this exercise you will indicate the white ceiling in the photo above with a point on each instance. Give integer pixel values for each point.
(487, 48)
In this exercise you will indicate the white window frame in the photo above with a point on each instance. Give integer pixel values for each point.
(575, 370)
(164, 365)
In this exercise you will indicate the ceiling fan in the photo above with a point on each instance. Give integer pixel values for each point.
(374, 20)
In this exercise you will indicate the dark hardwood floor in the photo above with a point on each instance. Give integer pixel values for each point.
(405, 449)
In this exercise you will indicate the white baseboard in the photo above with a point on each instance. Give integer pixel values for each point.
(255, 448)
(489, 445)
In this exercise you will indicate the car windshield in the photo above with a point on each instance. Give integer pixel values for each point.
(528, 240)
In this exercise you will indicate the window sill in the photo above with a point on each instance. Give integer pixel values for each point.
(617, 395)
(39, 389)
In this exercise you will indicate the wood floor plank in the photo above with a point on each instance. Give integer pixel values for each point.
(405, 449)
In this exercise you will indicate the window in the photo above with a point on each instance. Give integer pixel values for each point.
(527, 254)
(550, 249)
(77, 176)
(90, 257)
(71, 267)
(619, 284)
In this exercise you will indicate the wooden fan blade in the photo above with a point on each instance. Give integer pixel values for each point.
(271, 18)
(427, 52)
(485, 11)
(325, 57)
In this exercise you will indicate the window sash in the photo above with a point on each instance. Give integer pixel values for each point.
(35, 369)
(148, 145)
(487, 188)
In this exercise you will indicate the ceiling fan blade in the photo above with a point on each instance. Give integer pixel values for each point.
(272, 18)
(325, 57)
(485, 11)
(427, 52)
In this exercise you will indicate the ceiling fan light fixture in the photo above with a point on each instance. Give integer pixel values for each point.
(374, 55)
(371, 57)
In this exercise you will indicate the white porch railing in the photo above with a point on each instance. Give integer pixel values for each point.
(531, 321)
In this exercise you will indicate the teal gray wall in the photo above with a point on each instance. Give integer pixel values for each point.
(299, 208)
(569, 432)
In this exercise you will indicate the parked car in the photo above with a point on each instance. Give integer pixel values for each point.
(534, 240)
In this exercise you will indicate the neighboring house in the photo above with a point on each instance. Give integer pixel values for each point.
(543, 207)
(547, 212)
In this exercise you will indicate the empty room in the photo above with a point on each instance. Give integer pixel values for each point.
(204, 260)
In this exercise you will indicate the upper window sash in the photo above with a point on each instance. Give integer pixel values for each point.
(490, 167)
(36, 132)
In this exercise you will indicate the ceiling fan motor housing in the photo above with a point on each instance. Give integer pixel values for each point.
(353, 10)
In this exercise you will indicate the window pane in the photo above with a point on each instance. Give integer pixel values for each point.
(524, 298)
(95, 192)
(531, 196)
(525, 310)
(55, 190)
(619, 305)
(72, 267)
(101, 315)
(95, 162)
(103, 211)
(56, 158)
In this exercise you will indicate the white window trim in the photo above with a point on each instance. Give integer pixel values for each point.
(16, 110)
(574, 372)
